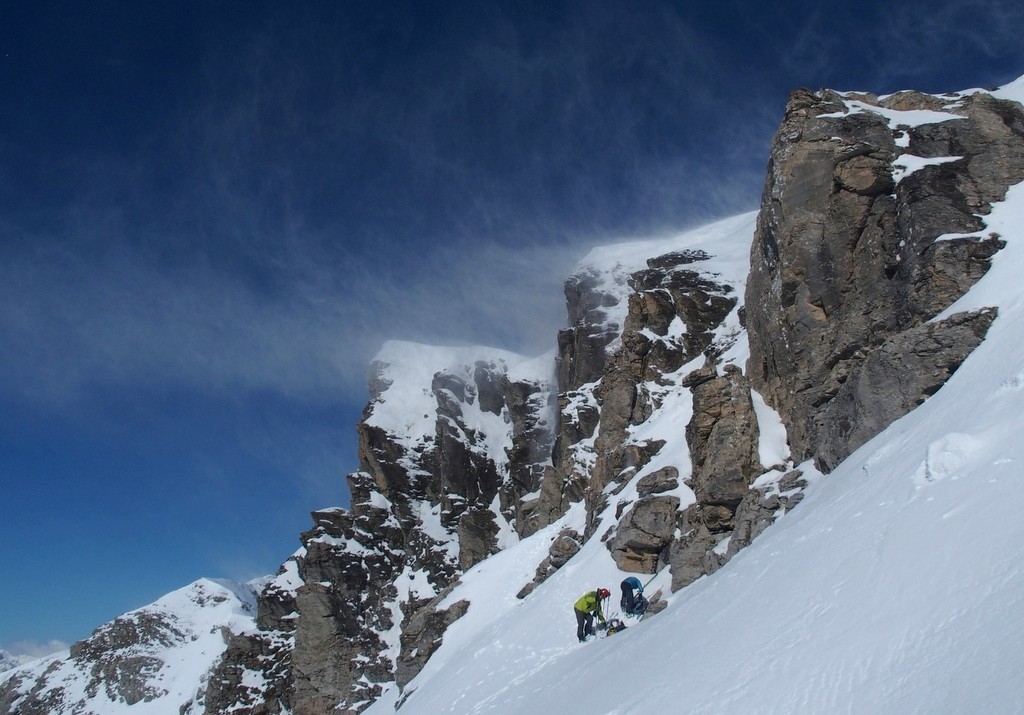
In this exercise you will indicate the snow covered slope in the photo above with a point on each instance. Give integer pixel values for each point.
(895, 587)
(152, 660)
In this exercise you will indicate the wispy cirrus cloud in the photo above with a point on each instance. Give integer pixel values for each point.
(313, 214)
(74, 321)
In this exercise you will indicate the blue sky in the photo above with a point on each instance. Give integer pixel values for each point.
(212, 214)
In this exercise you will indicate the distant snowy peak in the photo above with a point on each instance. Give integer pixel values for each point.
(247, 592)
(9, 661)
(204, 602)
(151, 660)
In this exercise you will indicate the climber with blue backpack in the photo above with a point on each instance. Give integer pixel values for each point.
(633, 604)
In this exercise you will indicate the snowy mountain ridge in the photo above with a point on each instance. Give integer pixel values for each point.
(792, 424)
(9, 661)
(150, 660)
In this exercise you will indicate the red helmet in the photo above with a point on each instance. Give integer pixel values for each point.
(603, 593)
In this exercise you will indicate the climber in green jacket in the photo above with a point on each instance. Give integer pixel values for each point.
(586, 608)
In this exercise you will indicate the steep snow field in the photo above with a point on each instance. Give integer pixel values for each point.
(896, 586)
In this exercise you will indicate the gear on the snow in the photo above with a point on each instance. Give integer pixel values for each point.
(614, 626)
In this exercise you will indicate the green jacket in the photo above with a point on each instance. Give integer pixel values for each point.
(590, 603)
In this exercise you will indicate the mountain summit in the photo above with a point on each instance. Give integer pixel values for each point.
(797, 427)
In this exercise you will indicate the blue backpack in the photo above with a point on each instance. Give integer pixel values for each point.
(640, 605)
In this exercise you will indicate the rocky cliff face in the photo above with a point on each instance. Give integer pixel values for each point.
(452, 448)
(870, 227)
(687, 407)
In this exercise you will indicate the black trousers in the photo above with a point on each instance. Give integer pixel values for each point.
(628, 602)
(584, 624)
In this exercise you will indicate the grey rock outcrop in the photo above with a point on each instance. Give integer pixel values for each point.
(644, 532)
(532, 408)
(723, 438)
(664, 480)
(477, 532)
(762, 505)
(115, 664)
(674, 318)
(342, 607)
(583, 350)
(581, 346)
(665, 294)
(894, 379)
(265, 653)
(424, 634)
(34, 696)
(846, 256)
